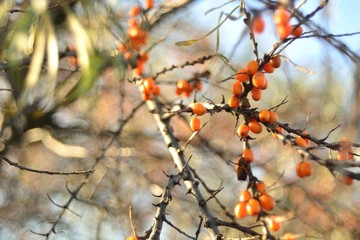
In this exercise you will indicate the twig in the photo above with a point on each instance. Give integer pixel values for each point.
(87, 172)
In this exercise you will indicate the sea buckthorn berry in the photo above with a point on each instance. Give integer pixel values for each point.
(146, 96)
(259, 80)
(261, 187)
(245, 196)
(242, 75)
(255, 127)
(156, 90)
(273, 117)
(243, 130)
(278, 130)
(256, 93)
(248, 155)
(275, 61)
(183, 84)
(345, 154)
(132, 238)
(303, 169)
(268, 68)
(350, 153)
(283, 31)
(234, 102)
(199, 85)
(258, 24)
(300, 141)
(306, 139)
(289, 236)
(341, 155)
(252, 67)
(264, 116)
(267, 202)
(273, 224)
(347, 180)
(345, 143)
(253, 207)
(236, 88)
(132, 22)
(149, 4)
(149, 84)
(296, 32)
(134, 11)
(195, 124)
(281, 17)
(240, 210)
(199, 109)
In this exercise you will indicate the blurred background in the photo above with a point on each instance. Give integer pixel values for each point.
(66, 116)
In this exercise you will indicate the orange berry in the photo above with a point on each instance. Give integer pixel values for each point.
(255, 127)
(345, 154)
(267, 202)
(345, 143)
(199, 85)
(243, 130)
(296, 32)
(134, 11)
(300, 141)
(149, 84)
(74, 61)
(268, 68)
(149, 4)
(183, 84)
(275, 61)
(289, 236)
(146, 96)
(256, 93)
(258, 24)
(273, 225)
(253, 207)
(306, 139)
(187, 93)
(283, 31)
(248, 155)
(261, 187)
(195, 124)
(278, 130)
(303, 169)
(347, 180)
(234, 102)
(132, 22)
(132, 238)
(242, 75)
(281, 17)
(259, 80)
(264, 116)
(199, 109)
(350, 153)
(156, 90)
(273, 117)
(240, 209)
(245, 196)
(236, 88)
(252, 67)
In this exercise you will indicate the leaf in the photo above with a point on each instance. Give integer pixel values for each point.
(86, 82)
(190, 42)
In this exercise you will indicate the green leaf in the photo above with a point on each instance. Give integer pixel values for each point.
(88, 79)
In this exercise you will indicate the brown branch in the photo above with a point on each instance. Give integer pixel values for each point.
(160, 216)
(23, 168)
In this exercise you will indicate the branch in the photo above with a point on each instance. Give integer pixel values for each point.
(164, 201)
(87, 172)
